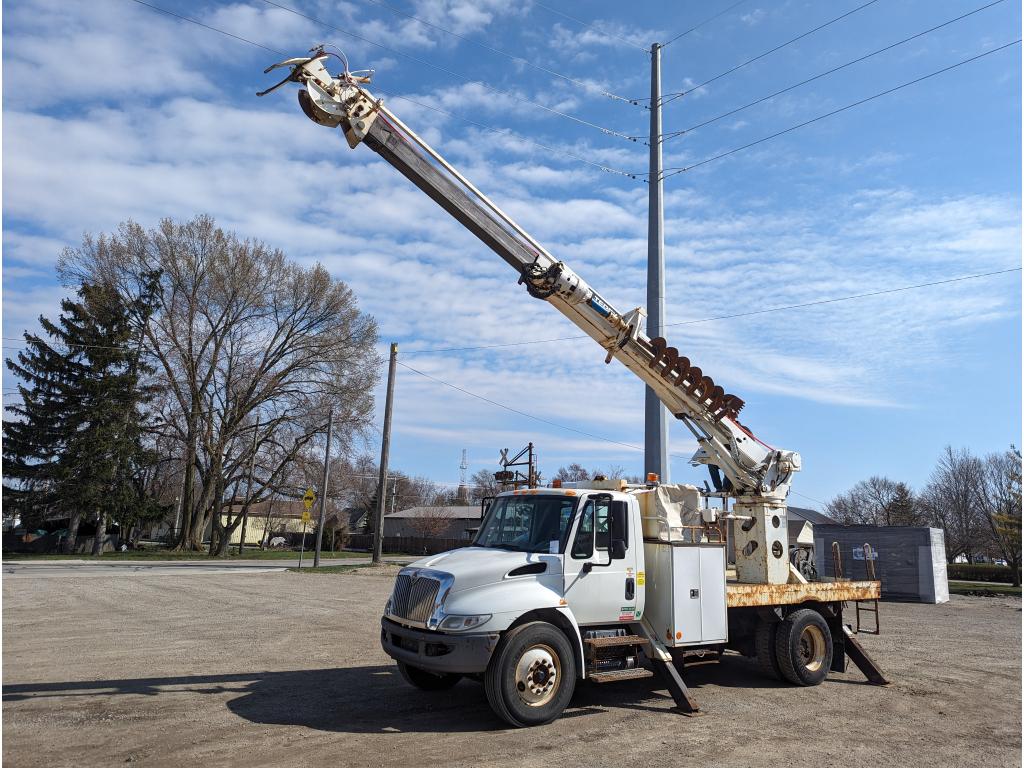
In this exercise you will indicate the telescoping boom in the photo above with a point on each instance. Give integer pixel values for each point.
(756, 474)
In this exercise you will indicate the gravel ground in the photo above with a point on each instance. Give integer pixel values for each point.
(285, 669)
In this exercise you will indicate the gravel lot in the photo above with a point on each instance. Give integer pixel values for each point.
(285, 669)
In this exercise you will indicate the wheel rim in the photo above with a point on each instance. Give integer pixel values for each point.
(538, 675)
(812, 648)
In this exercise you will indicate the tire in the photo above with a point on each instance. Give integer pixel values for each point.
(803, 646)
(427, 681)
(531, 676)
(764, 643)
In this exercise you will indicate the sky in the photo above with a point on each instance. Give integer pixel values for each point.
(115, 111)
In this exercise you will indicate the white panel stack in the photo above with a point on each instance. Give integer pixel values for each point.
(910, 562)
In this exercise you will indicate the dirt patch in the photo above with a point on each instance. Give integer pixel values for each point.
(286, 669)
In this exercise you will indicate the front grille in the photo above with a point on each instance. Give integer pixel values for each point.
(414, 597)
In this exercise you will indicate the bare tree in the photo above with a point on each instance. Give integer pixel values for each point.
(243, 341)
(1001, 499)
(483, 484)
(573, 473)
(952, 500)
(876, 501)
(432, 523)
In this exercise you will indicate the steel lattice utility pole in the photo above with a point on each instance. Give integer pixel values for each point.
(323, 490)
(385, 447)
(655, 413)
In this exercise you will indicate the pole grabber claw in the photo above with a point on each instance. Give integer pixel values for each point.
(331, 100)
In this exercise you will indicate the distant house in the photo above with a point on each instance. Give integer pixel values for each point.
(357, 519)
(276, 517)
(460, 522)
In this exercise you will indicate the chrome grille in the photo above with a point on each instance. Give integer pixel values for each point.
(400, 598)
(421, 598)
(414, 597)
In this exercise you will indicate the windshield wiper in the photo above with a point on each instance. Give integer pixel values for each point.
(499, 545)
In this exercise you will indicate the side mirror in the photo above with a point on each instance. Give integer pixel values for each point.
(618, 549)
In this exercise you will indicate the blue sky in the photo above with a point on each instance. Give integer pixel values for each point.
(114, 111)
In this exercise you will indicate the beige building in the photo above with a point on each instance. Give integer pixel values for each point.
(277, 517)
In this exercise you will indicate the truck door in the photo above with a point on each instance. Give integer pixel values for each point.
(601, 590)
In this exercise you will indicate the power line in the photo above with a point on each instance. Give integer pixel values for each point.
(518, 59)
(751, 313)
(680, 94)
(508, 132)
(207, 26)
(768, 310)
(809, 498)
(424, 62)
(865, 57)
(590, 26)
(529, 415)
(517, 411)
(701, 24)
(674, 171)
(559, 151)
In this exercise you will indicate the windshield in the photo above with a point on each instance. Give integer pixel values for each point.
(527, 523)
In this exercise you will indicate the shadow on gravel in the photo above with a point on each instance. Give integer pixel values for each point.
(376, 699)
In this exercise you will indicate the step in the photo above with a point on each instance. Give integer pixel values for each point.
(620, 674)
(615, 642)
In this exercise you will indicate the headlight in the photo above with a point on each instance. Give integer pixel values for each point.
(460, 623)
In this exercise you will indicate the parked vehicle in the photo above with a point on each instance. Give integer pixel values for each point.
(605, 582)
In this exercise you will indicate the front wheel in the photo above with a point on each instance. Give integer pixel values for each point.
(803, 645)
(531, 676)
(427, 681)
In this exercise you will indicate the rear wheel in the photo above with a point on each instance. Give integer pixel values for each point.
(531, 676)
(427, 681)
(764, 643)
(803, 645)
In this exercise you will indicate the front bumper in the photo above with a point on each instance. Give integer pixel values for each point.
(437, 651)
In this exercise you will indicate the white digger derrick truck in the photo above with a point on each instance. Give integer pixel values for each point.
(604, 581)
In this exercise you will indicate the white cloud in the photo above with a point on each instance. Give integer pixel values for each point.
(754, 17)
(601, 34)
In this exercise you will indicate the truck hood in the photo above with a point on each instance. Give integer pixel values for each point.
(477, 566)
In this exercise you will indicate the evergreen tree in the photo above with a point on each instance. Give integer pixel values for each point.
(904, 508)
(75, 448)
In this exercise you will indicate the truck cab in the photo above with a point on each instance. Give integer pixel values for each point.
(552, 590)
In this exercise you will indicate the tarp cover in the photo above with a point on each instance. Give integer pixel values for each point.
(668, 509)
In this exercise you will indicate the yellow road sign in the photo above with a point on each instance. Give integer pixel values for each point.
(305, 517)
(308, 499)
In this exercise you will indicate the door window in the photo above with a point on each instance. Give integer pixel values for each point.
(586, 538)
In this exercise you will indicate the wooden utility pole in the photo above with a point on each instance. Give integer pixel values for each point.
(385, 447)
(323, 491)
(252, 498)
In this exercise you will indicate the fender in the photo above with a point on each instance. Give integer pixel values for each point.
(522, 600)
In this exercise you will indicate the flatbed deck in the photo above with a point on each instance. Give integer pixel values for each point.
(756, 595)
